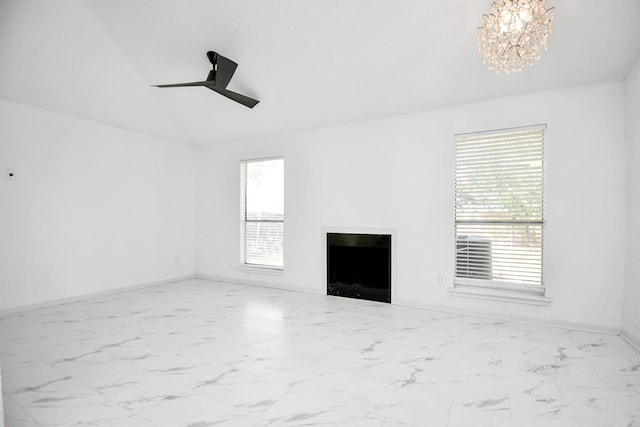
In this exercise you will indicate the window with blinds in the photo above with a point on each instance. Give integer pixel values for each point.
(499, 215)
(263, 212)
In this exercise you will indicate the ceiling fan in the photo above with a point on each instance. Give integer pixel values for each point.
(218, 79)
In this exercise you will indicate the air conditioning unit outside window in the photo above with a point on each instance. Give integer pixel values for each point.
(473, 257)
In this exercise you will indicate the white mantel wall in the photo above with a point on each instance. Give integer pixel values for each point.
(398, 173)
(93, 208)
(631, 317)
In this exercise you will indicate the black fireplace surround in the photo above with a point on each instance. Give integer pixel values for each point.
(359, 266)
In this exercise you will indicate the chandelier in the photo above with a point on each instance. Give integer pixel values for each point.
(514, 34)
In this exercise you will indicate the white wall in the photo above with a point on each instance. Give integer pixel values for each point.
(398, 173)
(92, 208)
(631, 318)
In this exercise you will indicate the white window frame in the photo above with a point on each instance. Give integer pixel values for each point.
(250, 267)
(488, 288)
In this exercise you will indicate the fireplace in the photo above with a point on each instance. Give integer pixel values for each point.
(359, 266)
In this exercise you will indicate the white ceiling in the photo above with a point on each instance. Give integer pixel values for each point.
(310, 63)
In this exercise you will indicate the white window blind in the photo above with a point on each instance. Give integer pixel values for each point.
(263, 212)
(499, 208)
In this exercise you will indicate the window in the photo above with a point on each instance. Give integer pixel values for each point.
(499, 214)
(263, 212)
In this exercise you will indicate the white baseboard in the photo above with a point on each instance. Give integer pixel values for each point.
(632, 339)
(555, 323)
(628, 336)
(576, 326)
(13, 310)
(258, 283)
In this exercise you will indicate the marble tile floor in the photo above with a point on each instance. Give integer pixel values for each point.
(200, 353)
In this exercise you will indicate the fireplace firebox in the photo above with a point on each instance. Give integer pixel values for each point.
(359, 266)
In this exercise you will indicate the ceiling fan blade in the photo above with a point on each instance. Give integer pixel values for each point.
(183, 84)
(224, 72)
(244, 100)
(218, 79)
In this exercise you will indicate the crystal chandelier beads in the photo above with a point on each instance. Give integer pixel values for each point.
(514, 33)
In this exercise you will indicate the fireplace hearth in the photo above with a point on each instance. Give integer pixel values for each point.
(359, 266)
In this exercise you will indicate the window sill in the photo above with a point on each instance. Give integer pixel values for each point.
(262, 269)
(495, 294)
